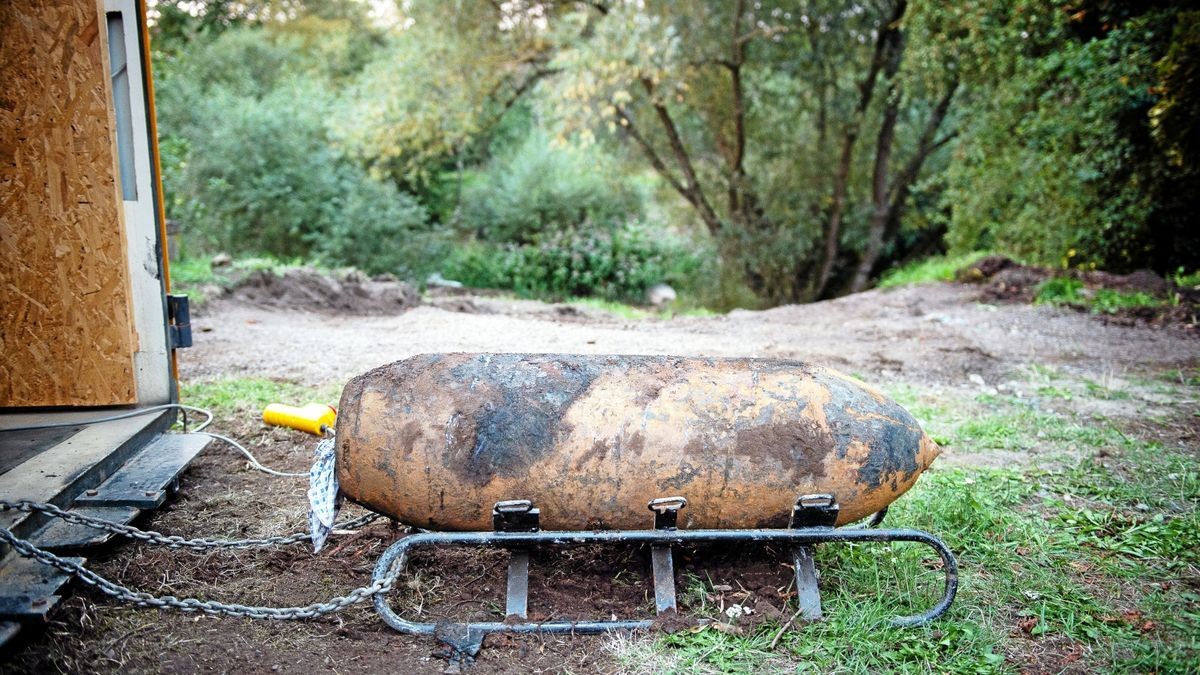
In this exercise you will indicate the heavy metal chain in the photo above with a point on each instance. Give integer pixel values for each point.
(26, 549)
(171, 541)
(141, 599)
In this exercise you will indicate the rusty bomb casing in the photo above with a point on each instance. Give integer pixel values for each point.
(435, 440)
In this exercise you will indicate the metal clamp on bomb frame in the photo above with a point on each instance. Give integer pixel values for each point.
(516, 525)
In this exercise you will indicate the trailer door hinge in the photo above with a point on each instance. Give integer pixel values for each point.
(179, 318)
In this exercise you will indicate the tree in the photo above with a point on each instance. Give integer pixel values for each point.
(715, 95)
(786, 128)
(1068, 157)
(446, 78)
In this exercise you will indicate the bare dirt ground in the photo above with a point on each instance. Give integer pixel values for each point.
(932, 337)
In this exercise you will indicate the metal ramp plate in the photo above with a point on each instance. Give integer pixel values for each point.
(27, 588)
(144, 481)
(59, 535)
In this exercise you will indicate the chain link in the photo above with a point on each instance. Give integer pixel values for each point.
(172, 541)
(27, 549)
(141, 599)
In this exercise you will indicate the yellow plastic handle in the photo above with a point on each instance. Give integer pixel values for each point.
(313, 418)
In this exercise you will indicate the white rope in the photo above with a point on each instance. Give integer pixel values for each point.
(253, 461)
(122, 416)
(199, 429)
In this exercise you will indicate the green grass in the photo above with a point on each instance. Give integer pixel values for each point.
(1109, 301)
(1085, 558)
(247, 396)
(1059, 291)
(935, 268)
(1070, 291)
(1186, 279)
(191, 272)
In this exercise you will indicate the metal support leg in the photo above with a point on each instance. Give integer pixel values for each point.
(664, 578)
(393, 562)
(662, 560)
(808, 596)
(819, 511)
(510, 517)
(517, 601)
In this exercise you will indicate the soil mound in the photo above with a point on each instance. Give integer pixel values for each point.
(1005, 280)
(349, 292)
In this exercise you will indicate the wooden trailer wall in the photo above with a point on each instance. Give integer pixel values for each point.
(67, 335)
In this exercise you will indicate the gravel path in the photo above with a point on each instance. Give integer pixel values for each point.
(922, 334)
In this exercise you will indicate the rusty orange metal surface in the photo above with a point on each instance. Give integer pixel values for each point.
(435, 440)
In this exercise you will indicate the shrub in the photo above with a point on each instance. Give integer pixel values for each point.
(262, 178)
(540, 189)
(1059, 291)
(618, 264)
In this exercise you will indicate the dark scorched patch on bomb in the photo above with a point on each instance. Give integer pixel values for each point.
(892, 434)
(520, 421)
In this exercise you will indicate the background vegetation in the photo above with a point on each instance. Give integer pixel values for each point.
(746, 152)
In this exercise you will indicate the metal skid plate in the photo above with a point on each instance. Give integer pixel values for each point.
(517, 531)
(144, 481)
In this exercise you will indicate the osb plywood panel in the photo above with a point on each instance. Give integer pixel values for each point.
(66, 336)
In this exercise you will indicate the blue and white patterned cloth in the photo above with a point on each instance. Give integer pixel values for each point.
(324, 499)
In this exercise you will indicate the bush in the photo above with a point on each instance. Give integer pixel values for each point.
(1063, 163)
(262, 178)
(540, 189)
(615, 264)
(380, 229)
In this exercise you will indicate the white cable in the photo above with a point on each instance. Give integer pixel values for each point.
(115, 417)
(200, 429)
(253, 462)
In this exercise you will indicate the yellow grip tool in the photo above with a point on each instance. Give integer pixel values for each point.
(313, 418)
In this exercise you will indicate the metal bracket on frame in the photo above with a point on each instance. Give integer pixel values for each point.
(179, 322)
(516, 525)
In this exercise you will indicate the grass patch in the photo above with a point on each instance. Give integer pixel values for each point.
(241, 396)
(1078, 567)
(1186, 279)
(928, 270)
(1072, 292)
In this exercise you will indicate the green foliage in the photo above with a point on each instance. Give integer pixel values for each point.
(249, 167)
(932, 269)
(618, 264)
(544, 188)
(1059, 162)
(1059, 291)
(303, 128)
(1071, 291)
(233, 397)
(438, 86)
(1111, 301)
(1184, 279)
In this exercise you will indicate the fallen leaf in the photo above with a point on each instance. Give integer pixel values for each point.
(727, 628)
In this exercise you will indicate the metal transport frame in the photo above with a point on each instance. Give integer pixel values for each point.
(516, 528)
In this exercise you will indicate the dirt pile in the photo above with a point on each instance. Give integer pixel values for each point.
(1162, 301)
(349, 292)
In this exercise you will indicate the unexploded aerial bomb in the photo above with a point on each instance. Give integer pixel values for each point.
(435, 440)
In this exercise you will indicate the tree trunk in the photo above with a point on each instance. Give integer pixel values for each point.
(879, 196)
(890, 201)
(887, 48)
